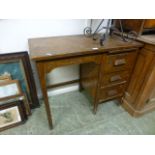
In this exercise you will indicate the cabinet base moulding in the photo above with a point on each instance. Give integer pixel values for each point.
(133, 112)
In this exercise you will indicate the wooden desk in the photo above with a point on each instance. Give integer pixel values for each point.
(104, 70)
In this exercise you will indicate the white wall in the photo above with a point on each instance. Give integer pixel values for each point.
(15, 33)
(14, 36)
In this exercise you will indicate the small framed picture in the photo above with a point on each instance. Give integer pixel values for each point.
(22, 98)
(10, 89)
(12, 115)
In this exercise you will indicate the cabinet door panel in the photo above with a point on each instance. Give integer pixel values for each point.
(139, 75)
(147, 97)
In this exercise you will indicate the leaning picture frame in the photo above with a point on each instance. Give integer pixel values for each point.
(12, 115)
(19, 67)
(21, 97)
(10, 89)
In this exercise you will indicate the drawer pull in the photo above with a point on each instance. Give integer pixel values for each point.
(120, 62)
(115, 78)
(112, 92)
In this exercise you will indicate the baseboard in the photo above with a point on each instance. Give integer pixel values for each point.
(129, 108)
(61, 90)
(64, 89)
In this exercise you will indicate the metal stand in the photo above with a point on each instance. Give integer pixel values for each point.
(109, 29)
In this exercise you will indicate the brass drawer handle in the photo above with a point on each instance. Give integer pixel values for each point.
(115, 78)
(112, 92)
(119, 62)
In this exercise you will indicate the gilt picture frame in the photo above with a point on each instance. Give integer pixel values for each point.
(19, 67)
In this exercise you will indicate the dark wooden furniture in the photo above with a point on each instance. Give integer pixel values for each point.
(104, 70)
(139, 25)
(140, 95)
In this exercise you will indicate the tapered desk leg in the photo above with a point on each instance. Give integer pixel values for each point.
(42, 76)
(96, 102)
(95, 107)
(80, 82)
(47, 106)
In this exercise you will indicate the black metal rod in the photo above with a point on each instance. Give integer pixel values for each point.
(122, 32)
(98, 27)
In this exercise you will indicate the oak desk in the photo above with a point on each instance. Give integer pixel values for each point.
(104, 70)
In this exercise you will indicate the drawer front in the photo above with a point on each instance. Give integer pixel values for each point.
(111, 92)
(118, 62)
(114, 78)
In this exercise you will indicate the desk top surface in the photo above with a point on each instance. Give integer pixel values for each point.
(64, 46)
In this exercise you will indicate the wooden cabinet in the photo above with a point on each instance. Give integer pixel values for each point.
(138, 25)
(149, 24)
(150, 99)
(140, 95)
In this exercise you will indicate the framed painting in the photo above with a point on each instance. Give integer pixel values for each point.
(12, 115)
(10, 89)
(19, 67)
(22, 98)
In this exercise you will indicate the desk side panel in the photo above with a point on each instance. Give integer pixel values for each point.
(89, 75)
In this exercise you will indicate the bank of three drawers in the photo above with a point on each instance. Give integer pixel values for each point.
(116, 69)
